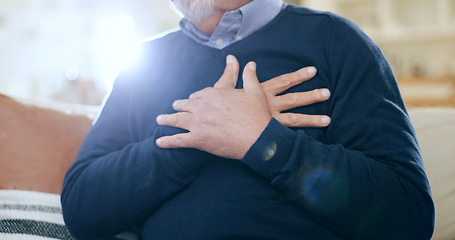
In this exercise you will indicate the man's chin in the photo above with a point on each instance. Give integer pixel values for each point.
(195, 12)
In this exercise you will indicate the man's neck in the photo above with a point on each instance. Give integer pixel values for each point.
(209, 24)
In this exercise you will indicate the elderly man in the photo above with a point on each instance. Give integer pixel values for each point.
(239, 157)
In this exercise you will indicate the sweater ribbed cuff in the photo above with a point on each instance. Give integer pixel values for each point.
(272, 149)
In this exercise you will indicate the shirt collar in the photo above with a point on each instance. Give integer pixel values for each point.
(236, 25)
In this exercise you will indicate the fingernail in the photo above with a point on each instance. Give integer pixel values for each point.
(325, 120)
(159, 118)
(229, 59)
(252, 66)
(311, 70)
(158, 141)
(325, 93)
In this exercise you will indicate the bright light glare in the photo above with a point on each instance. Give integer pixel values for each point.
(116, 46)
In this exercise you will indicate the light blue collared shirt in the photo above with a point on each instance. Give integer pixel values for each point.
(236, 25)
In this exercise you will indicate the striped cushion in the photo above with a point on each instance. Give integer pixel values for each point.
(27, 215)
(31, 215)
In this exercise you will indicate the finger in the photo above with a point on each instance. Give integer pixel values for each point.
(179, 120)
(283, 82)
(299, 99)
(199, 93)
(302, 120)
(181, 140)
(250, 79)
(230, 75)
(184, 105)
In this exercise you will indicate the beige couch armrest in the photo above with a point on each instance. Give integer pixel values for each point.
(435, 129)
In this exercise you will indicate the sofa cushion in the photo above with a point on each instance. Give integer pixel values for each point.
(37, 145)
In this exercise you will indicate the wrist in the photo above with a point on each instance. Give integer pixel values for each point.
(270, 151)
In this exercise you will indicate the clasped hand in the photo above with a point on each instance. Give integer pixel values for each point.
(226, 121)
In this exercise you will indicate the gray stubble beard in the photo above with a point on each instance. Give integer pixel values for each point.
(194, 11)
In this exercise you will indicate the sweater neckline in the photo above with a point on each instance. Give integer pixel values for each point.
(231, 48)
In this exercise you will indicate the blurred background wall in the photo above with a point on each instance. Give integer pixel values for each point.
(418, 39)
(71, 50)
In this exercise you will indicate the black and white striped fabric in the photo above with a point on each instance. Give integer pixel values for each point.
(28, 215)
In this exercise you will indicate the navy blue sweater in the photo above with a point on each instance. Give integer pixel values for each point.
(360, 178)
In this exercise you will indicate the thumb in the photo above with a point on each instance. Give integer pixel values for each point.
(230, 75)
(250, 79)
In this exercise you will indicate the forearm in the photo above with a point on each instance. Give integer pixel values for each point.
(104, 195)
(120, 176)
(356, 195)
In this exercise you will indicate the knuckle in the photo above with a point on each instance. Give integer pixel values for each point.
(211, 93)
(205, 91)
(203, 107)
(292, 119)
(178, 140)
(292, 99)
(286, 82)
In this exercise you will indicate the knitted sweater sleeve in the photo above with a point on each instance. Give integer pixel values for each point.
(366, 179)
(117, 181)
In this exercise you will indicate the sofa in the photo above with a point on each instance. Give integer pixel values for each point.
(39, 141)
(435, 129)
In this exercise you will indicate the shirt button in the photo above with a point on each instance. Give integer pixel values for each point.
(219, 42)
